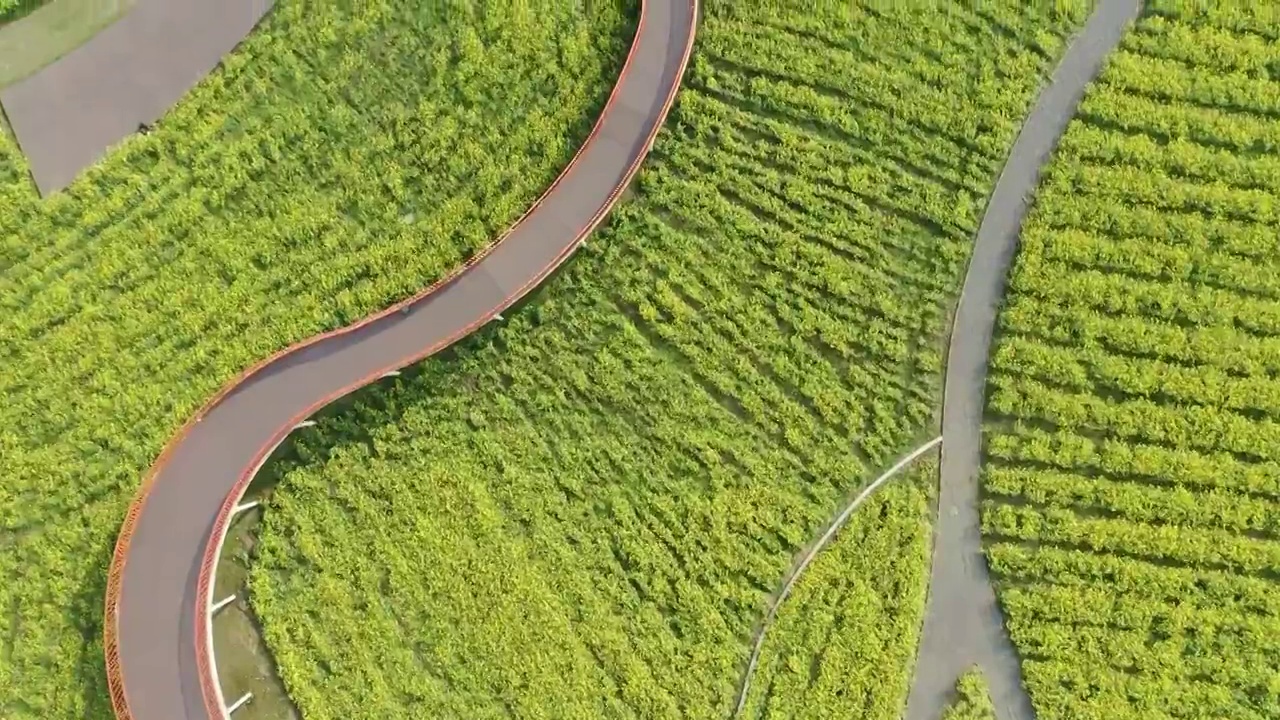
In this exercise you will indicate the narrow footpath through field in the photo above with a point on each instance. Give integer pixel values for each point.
(963, 622)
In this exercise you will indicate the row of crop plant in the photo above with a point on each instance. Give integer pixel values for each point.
(1132, 509)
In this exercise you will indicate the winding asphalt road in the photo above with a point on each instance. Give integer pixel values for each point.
(156, 636)
(67, 115)
(963, 623)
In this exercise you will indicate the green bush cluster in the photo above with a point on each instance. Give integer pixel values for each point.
(972, 700)
(11, 10)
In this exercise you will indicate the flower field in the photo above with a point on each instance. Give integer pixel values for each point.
(1132, 510)
(582, 511)
(345, 156)
(844, 641)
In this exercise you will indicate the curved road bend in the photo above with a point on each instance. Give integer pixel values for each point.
(69, 113)
(963, 623)
(154, 623)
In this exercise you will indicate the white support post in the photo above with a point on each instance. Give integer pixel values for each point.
(304, 424)
(246, 506)
(239, 703)
(208, 598)
(221, 604)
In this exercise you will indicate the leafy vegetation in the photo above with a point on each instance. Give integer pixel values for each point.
(972, 701)
(346, 156)
(844, 641)
(11, 10)
(583, 511)
(1133, 491)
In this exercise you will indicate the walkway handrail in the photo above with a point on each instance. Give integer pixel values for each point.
(210, 688)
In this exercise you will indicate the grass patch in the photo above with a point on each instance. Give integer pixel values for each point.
(11, 10)
(843, 643)
(245, 664)
(972, 700)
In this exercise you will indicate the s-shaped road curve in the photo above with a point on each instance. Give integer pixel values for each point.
(157, 642)
(963, 622)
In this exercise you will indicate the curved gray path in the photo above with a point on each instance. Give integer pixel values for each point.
(963, 623)
(68, 114)
(155, 622)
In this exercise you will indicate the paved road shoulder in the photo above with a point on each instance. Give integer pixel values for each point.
(963, 622)
(68, 114)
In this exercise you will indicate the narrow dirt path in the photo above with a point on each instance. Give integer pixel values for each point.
(963, 623)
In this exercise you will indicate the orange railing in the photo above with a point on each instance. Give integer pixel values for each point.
(212, 694)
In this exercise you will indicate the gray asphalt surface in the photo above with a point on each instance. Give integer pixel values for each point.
(158, 603)
(963, 623)
(67, 115)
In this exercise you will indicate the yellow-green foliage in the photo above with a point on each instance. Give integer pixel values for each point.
(844, 641)
(347, 155)
(583, 513)
(972, 701)
(13, 9)
(1133, 493)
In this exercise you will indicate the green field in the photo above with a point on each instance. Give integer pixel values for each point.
(586, 509)
(1132, 508)
(346, 156)
(583, 511)
(844, 641)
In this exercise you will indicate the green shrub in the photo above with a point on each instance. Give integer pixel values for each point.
(972, 701)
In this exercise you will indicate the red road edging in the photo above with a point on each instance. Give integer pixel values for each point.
(111, 646)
